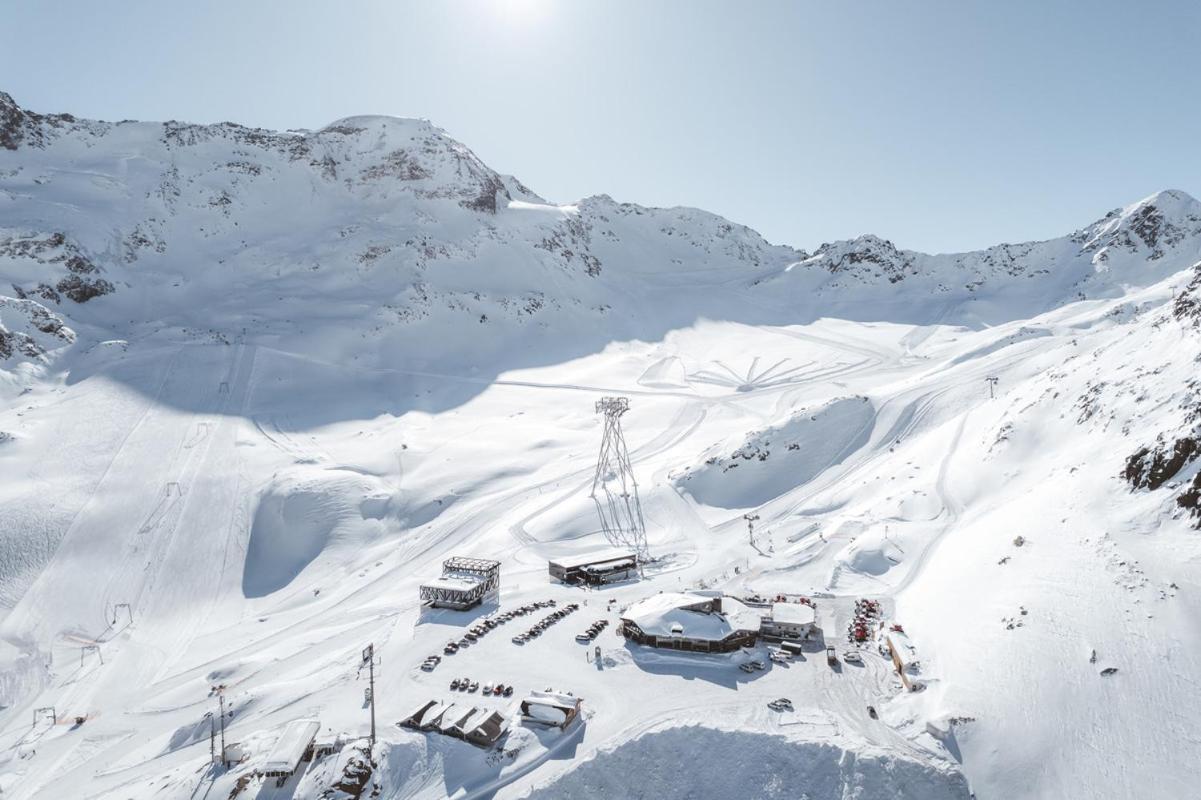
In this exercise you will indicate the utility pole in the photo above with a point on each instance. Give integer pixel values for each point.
(369, 662)
(750, 526)
(992, 383)
(212, 737)
(221, 700)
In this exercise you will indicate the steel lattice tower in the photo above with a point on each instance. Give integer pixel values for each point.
(613, 487)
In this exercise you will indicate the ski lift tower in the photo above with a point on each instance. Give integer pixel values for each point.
(614, 489)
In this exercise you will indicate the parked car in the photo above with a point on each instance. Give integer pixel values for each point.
(487, 688)
(757, 664)
(584, 638)
(509, 690)
(746, 668)
(454, 684)
(852, 657)
(473, 686)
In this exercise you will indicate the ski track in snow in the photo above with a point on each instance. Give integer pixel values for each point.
(403, 366)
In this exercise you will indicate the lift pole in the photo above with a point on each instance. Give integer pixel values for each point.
(221, 699)
(369, 661)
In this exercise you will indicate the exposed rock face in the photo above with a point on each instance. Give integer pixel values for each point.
(53, 253)
(1187, 306)
(1151, 468)
(19, 127)
(28, 330)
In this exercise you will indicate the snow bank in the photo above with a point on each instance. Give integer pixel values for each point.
(695, 761)
(298, 517)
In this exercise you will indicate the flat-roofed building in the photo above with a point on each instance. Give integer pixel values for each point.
(595, 568)
(794, 621)
(290, 748)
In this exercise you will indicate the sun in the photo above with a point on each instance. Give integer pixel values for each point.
(521, 12)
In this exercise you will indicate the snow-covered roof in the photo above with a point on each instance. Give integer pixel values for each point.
(593, 557)
(453, 716)
(290, 747)
(794, 613)
(557, 699)
(489, 728)
(608, 565)
(477, 715)
(902, 646)
(429, 714)
(668, 613)
(459, 582)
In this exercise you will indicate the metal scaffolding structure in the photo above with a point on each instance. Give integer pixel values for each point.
(465, 582)
(614, 489)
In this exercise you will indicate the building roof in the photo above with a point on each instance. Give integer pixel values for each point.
(469, 722)
(667, 614)
(453, 716)
(429, 711)
(553, 699)
(470, 564)
(489, 729)
(903, 647)
(460, 582)
(794, 613)
(593, 557)
(289, 748)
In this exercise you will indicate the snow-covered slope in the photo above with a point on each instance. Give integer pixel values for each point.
(255, 386)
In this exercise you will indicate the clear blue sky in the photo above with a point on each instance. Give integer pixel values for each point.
(942, 125)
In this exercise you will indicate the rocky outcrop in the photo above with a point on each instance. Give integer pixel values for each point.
(53, 254)
(28, 330)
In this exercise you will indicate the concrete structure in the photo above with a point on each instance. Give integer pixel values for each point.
(795, 621)
(291, 748)
(464, 583)
(595, 568)
(703, 623)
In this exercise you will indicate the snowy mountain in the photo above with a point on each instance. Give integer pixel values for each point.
(255, 386)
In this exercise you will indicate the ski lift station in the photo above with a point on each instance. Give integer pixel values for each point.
(595, 568)
(291, 748)
(464, 583)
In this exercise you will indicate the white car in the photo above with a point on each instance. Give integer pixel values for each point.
(852, 657)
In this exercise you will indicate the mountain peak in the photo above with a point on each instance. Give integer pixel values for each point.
(1154, 225)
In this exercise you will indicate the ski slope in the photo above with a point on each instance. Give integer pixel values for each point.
(320, 363)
